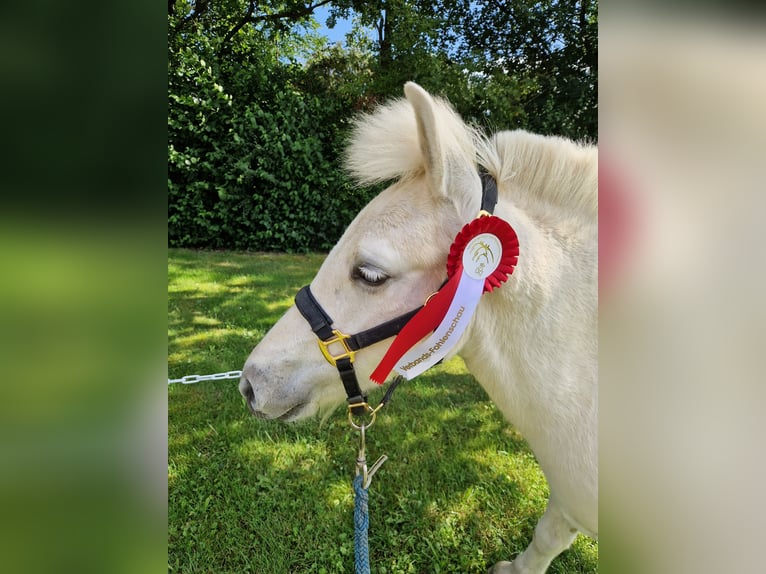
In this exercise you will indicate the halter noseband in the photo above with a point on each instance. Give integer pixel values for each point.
(321, 324)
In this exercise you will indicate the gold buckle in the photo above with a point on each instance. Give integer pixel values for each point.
(341, 338)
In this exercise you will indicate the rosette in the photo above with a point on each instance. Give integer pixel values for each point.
(504, 262)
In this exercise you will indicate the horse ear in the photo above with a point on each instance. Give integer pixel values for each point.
(447, 147)
(428, 135)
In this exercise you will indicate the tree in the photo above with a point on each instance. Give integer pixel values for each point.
(252, 157)
(550, 47)
(260, 105)
(502, 64)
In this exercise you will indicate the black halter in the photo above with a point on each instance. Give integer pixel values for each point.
(321, 324)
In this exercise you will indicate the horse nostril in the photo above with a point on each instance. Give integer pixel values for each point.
(246, 390)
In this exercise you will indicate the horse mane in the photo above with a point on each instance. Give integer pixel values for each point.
(530, 168)
(549, 170)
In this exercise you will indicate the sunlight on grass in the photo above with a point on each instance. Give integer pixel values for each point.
(466, 504)
(199, 289)
(198, 340)
(284, 455)
(208, 321)
(240, 281)
(461, 488)
(339, 493)
(220, 304)
(173, 471)
(280, 306)
(587, 546)
(454, 366)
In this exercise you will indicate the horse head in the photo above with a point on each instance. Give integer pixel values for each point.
(389, 260)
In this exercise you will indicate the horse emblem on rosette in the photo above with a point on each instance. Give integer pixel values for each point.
(482, 250)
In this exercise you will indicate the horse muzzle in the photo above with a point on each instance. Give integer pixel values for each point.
(270, 409)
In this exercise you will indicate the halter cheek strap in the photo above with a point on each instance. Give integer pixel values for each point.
(343, 359)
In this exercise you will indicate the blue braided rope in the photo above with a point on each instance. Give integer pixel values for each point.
(361, 523)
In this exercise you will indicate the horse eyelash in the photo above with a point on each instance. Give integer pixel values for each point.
(370, 275)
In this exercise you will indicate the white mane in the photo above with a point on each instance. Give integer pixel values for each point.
(532, 169)
(550, 170)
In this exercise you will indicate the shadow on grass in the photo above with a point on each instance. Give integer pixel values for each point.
(461, 490)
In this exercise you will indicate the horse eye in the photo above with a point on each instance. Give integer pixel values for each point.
(370, 275)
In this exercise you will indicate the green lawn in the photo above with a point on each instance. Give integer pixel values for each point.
(460, 491)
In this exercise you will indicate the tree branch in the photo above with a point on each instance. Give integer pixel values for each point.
(294, 13)
(290, 14)
(249, 14)
(200, 7)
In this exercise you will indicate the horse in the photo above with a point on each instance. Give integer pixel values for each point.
(531, 344)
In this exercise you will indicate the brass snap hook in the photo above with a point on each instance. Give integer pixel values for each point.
(361, 460)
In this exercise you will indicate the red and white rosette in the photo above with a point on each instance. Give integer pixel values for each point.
(481, 258)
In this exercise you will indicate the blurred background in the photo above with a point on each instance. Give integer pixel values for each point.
(94, 111)
(682, 318)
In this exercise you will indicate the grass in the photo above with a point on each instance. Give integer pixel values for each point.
(460, 491)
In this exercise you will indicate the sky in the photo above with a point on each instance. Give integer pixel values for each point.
(336, 34)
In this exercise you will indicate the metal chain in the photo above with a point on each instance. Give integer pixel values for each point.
(189, 379)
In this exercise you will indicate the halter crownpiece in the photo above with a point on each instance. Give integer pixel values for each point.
(488, 194)
(482, 256)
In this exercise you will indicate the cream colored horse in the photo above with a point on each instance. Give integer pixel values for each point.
(531, 344)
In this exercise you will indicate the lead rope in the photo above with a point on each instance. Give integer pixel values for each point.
(361, 484)
(361, 509)
(361, 524)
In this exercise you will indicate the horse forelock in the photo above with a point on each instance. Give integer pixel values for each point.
(384, 145)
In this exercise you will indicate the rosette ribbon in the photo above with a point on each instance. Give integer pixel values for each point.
(482, 256)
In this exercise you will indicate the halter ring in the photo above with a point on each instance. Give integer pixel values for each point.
(370, 411)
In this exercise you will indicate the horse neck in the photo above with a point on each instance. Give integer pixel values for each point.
(525, 289)
(518, 326)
